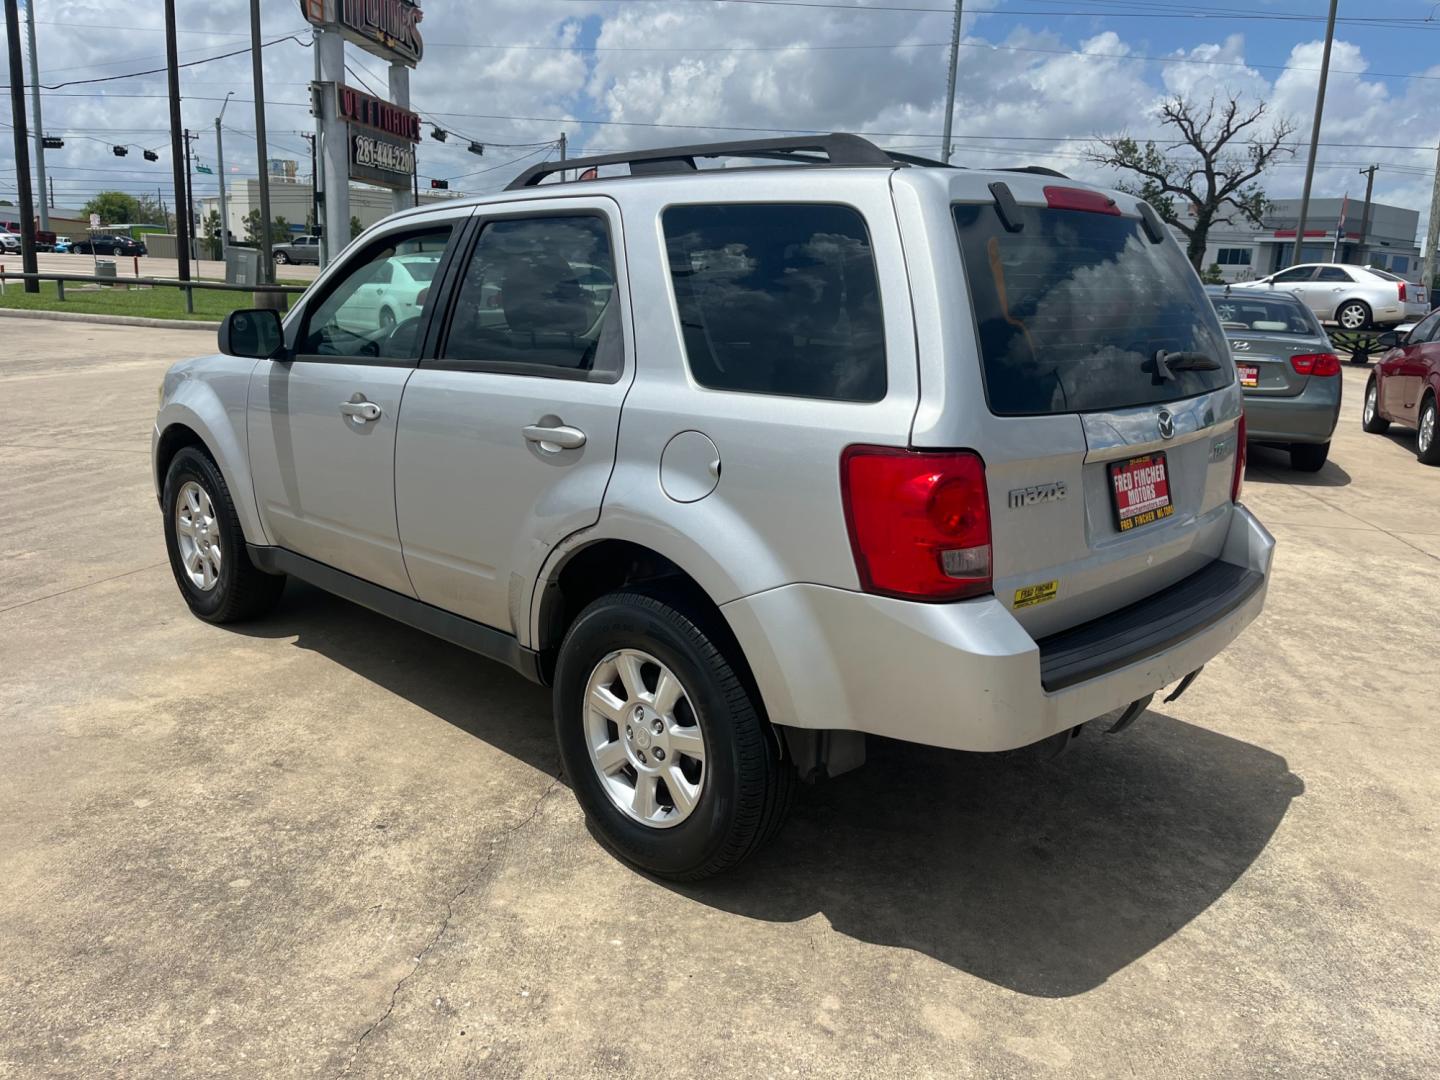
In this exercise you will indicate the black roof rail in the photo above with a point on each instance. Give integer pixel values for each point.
(837, 148)
(1038, 170)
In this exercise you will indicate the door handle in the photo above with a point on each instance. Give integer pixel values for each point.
(553, 436)
(361, 411)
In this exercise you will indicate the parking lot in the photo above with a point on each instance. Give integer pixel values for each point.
(325, 844)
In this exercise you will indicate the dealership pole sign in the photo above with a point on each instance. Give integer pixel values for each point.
(357, 107)
(388, 28)
(381, 136)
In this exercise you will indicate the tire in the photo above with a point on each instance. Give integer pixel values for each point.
(1370, 418)
(745, 790)
(1353, 315)
(281, 258)
(387, 320)
(1427, 437)
(238, 590)
(1308, 457)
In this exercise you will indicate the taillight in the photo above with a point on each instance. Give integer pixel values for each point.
(1402, 292)
(1069, 198)
(919, 522)
(1316, 364)
(1239, 478)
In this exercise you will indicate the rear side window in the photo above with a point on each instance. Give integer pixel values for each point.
(778, 299)
(1265, 316)
(1071, 310)
(1332, 273)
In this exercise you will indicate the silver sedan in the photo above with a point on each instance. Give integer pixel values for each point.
(1352, 296)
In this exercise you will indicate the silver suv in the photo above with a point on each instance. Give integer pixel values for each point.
(745, 463)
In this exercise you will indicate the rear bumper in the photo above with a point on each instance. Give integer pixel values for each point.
(1308, 417)
(967, 676)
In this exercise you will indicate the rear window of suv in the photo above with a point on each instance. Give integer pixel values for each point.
(1071, 310)
(778, 299)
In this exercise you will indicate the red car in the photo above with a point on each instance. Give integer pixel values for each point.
(1405, 386)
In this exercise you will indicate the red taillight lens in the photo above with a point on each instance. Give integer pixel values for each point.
(1239, 478)
(1069, 198)
(1316, 364)
(919, 522)
(1402, 292)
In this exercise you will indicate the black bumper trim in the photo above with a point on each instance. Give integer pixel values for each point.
(1147, 627)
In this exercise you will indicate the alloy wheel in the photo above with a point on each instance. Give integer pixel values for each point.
(1370, 404)
(644, 738)
(1427, 428)
(1352, 316)
(197, 532)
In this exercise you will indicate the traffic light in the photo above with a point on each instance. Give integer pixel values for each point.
(151, 155)
(51, 142)
(120, 151)
(443, 185)
(439, 134)
(477, 148)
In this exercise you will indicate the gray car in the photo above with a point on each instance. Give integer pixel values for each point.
(303, 249)
(1288, 371)
(746, 464)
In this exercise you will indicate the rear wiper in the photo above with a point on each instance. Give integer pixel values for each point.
(1168, 363)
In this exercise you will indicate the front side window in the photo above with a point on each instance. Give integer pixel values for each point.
(1294, 275)
(539, 297)
(778, 299)
(373, 311)
(1424, 330)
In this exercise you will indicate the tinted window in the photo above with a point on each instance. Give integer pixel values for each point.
(778, 299)
(1071, 310)
(372, 311)
(1332, 273)
(1264, 316)
(420, 269)
(1300, 273)
(531, 296)
(1383, 274)
(1424, 330)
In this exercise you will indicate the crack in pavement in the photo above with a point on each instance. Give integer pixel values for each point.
(495, 845)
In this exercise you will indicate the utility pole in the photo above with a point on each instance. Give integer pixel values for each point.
(22, 152)
(1432, 231)
(39, 132)
(946, 149)
(220, 165)
(1315, 133)
(562, 155)
(190, 197)
(177, 153)
(267, 270)
(309, 136)
(1360, 251)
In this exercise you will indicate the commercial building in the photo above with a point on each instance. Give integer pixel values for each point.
(291, 200)
(1244, 251)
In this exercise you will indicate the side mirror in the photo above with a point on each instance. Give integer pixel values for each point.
(253, 332)
(1390, 339)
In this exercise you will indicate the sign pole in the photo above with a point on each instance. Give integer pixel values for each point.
(400, 97)
(334, 142)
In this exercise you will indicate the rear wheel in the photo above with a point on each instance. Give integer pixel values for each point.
(1370, 418)
(1353, 315)
(281, 258)
(1309, 457)
(1427, 445)
(207, 547)
(665, 747)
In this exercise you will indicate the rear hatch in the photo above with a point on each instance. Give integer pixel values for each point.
(1264, 335)
(1111, 411)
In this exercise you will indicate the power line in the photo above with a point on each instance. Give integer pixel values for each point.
(156, 71)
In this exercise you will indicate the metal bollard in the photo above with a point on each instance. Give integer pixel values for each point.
(60, 287)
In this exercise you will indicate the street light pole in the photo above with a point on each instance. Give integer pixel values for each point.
(1315, 134)
(946, 149)
(177, 151)
(22, 152)
(39, 131)
(220, 164)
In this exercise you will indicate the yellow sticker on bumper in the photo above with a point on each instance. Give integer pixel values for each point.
(1038, 593)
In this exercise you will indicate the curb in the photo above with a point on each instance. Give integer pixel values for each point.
(111, 320)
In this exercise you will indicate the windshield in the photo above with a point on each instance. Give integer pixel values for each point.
(1265, 316)
(1072, 309)
(1382, 274)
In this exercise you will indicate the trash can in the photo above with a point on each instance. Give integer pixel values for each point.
(105, 268)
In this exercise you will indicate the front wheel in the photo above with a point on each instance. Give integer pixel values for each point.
(663, 742)
(1353, 315)
(1309, 457)
(206, 547)
(1370, 418)
(1427, 446)
(281, 258)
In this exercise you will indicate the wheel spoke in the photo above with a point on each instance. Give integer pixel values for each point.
(644, 803)
(667, 692)
(629, 668)
(687, 741)
(185, 526)
(681, 790)
(607, 704)
(215, 557)
(611, 757)
(207, 574)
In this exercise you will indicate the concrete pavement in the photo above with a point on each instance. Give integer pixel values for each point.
(324, 844)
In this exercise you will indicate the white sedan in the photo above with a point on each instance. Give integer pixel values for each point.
(1355, 297)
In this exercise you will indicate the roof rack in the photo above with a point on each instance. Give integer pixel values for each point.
(837, 149)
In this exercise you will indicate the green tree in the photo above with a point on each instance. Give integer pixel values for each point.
(1213, 275)
(148, 210)
(355, 227)
(211, 231)
(114, 208)
(279, 230)
(252, 226)
(1210, 170)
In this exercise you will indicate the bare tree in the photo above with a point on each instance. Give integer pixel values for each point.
(1213, 165)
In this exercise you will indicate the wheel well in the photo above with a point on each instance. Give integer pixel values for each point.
(172, 440)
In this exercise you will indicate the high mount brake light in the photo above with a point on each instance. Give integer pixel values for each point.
(1069, 198)
(919, 522)
(1316, 364)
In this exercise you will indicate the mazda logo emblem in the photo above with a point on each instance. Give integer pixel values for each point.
(1167, 424)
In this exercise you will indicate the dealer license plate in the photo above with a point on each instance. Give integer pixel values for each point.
(1249, 374)
(1140, 489)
